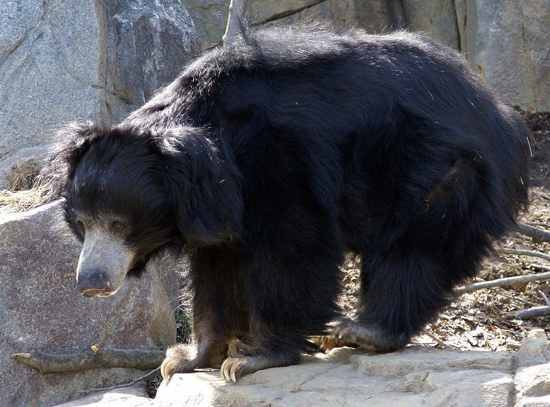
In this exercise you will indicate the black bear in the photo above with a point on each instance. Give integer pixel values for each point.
(270, 158)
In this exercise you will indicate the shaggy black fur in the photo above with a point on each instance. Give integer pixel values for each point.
(273, 157)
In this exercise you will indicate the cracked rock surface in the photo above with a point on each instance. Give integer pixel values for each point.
(347, 378)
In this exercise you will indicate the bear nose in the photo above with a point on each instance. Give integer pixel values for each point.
(93, 283)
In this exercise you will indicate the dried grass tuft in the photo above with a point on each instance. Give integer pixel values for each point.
(23, 175)
(20, 201)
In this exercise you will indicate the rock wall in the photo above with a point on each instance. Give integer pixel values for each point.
(82, 59)
(48, 72)
(508, 43)
(99, 60)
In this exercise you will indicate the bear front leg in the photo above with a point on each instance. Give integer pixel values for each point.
(208, 352)
(217, 312)
(290, 297)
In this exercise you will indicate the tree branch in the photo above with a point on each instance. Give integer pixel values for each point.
(538, 235)
(504, 282)
(123, 385)
(233, 28)
(529, 253)
(142, 359)
(533, 312)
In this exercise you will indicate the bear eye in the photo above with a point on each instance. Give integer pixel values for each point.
(118, 226)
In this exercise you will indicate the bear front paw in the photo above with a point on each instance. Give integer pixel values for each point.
(179, 359)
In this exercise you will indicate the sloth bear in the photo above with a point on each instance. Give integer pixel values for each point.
(268, 159)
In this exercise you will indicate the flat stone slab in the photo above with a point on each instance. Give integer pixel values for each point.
(345, 377)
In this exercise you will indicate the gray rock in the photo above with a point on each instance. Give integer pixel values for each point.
(48, 69)
(134, 396)
(209, 16)
(533, 381)
(436, 18)
(40, 309)
(533, 374)
(346, 377)
(209, 20)
(338, 14)
(62, 61)
(378, 16)
(534, 350)
(543, 401)
(262, 11)
(146, 45)
(373, 16)
(507, 42)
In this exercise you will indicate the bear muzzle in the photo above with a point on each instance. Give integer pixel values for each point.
(103, 264)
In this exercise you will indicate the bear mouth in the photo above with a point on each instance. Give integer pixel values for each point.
(98, 292)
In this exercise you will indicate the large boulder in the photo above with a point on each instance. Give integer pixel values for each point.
(48, 71)
(41, 310)
(134, 396)
(508, 43)
(146, 45)
(62, 61)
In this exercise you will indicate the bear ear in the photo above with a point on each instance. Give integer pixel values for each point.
(73, 141)
(203, 185)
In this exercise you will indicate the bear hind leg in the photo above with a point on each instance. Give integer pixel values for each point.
(400, 293)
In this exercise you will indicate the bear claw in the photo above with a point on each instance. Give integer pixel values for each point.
(233, 368)
(177, 360)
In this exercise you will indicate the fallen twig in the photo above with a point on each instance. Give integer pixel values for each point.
(530, 253)
(504, 282)
(123, 385)
(539, 235)
(142, 359)
(533, 312)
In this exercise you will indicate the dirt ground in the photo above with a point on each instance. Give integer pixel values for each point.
(477, 320)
